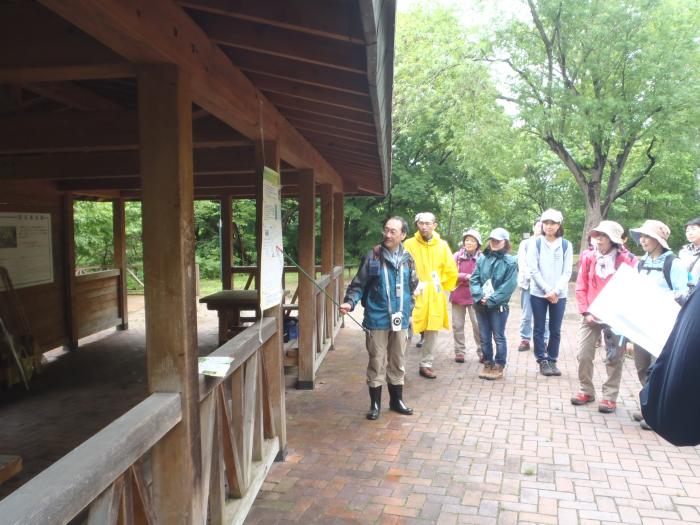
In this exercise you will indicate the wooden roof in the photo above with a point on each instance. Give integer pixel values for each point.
(315, 75)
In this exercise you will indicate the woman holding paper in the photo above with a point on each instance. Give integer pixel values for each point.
(549, 262)
(667, 272)
(597, 266)
(493, 282)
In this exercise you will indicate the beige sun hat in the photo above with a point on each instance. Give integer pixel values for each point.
(654, 229)
(552, 215)
(610, 228)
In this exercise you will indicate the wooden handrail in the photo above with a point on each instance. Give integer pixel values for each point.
(240, 348)
(63, 490)
(94, 276)
(322, 282)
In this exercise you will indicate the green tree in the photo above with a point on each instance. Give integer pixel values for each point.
(608, 86)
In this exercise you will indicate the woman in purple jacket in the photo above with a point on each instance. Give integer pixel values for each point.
(461, 297)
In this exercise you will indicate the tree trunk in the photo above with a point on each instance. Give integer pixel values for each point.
(593, 212)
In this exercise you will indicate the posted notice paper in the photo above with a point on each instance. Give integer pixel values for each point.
(634, 306)
(214, 366)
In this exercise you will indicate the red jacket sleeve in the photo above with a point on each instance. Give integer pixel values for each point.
(582, 283)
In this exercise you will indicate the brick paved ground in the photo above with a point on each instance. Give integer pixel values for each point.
(513, 451)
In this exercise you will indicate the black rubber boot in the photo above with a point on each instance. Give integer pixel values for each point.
(396, 400)
(375, 402)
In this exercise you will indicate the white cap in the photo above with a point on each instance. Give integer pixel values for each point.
(552, 215)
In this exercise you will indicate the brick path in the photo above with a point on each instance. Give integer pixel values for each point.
(513, 451)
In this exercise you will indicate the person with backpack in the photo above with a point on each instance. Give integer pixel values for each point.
(493, 282)
(597, 265)
(461, 297)
(384, 284)
(690, 253)
(550, 263)
(666, 272)
(524, 285)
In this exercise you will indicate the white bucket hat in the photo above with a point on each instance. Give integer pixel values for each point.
(552, 215)
(610, 228)
(471, 233)
(654, 229)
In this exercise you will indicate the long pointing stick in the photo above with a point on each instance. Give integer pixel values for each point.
(281, 250)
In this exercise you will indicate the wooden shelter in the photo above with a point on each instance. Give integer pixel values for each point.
(166, 101)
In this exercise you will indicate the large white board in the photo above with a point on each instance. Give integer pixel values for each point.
(25, 248)
(271, 258)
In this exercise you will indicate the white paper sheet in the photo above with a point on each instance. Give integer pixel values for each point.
(214, 366)
(634, 306)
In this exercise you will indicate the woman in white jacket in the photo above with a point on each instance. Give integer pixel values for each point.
(549, 261)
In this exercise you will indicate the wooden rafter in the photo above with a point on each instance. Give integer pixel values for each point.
(148, 32)
(284, 102)
(96, 131)
(73, 95)
(285, 43)
(339, 21)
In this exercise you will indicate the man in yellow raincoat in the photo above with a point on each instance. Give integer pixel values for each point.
(437, 274)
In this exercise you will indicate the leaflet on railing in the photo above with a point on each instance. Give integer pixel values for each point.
(214, 366)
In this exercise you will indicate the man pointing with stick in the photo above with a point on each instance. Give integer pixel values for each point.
(384, 284)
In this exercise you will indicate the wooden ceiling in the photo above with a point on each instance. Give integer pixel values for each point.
(320, 70)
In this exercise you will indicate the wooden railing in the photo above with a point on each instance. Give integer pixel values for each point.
(96, 301)
(109, 475)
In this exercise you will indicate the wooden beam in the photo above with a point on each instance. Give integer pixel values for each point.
(285, 102)
(333, 132)
(327, 228)
(119, 226)
(226, 242)
(339, 233)
(312, 74)
(69, 271)
(115, 164)
(168, 216)
(284, 43)
(96, 131)
(339, 21)
(307, 292)
(60, 73)
(332, 97)
(73, 95)
(301, 119)
(147, 32)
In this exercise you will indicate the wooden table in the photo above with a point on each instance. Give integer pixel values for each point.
(9, 466)
(228, 304)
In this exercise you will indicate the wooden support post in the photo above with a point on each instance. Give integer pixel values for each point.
(267, 154)
(119, 224)
(307, 290)
(327, 249)
(165, 130)
(339, 242)
(69, 273)
(226, 238)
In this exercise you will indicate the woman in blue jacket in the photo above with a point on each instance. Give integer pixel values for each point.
(493, 282)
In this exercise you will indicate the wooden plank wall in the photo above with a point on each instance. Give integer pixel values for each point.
(96, 302)
(44, 304)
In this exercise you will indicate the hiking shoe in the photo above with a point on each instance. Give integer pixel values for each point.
(637, 416)
(497, 372)
(645, 425)
(524, 345)
(487, 371)
(459, 358)
(581, 398)
(427, 372)
(553, 368)
(607, 407)
(545, 368)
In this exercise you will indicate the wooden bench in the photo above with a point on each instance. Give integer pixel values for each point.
(9, 466)
(229, 304)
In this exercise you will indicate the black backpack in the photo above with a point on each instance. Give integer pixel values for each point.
(668, 263)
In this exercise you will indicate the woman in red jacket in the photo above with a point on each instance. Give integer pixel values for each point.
(461, 297)
(597, 265)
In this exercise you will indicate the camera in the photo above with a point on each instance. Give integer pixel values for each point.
(396, 321)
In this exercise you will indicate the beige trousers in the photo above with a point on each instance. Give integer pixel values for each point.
(642, 362)
(588, 335)
(387, 357)
(429, 343)
(459, 312)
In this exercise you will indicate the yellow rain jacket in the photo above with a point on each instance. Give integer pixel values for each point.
(430, 312)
